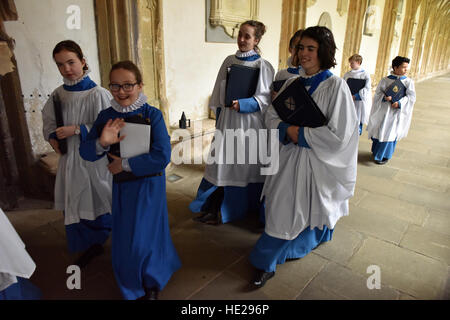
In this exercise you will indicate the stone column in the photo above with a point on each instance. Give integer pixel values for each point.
(293, 18)
(353, 34)
(387, 34)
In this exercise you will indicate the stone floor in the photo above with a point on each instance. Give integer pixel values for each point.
(399, 221)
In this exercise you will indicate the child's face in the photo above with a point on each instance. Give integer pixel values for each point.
(354, 64)
(246, 39)
(401, 69)
(124, 77)
(294, 44)
(308, 55)
(69, 65)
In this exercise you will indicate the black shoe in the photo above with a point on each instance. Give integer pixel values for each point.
(261, 278)
(151, 294)
(381, 161)
(208, 218)
(291, 259)
(93, 251)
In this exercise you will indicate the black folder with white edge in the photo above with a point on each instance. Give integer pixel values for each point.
(241, 83)
(295, 106)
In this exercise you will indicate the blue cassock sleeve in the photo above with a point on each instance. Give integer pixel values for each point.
(160, 149)
(248, 105)
(87, 144)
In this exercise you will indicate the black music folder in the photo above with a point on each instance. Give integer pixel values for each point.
(115, 149)
(57, 108)
(355, 85)
(241, 83)
(295, 106)
(277, 85)
(396, 90)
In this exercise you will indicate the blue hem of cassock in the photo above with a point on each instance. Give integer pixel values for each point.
(360, 128)
(143, 254)
(82, 235)
(236, 204)
(270, 251)
(23, 289)
(383, 150)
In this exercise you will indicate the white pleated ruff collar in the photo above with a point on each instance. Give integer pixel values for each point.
(302, 73)
(68, 82)
(141, 100)
(246, 54)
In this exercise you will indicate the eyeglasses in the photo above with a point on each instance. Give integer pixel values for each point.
(126, 87)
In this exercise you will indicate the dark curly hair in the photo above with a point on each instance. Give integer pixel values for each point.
(327, 47)
(398, 61)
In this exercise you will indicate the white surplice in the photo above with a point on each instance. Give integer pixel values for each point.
(238, 174)
(386, 123)
(364, 105)
(14, 259)
(83, 189)
(313, 186)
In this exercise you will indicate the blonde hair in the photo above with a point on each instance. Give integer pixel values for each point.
(356, 57)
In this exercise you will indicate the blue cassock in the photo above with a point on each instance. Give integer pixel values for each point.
(23, 289)
(143, 255)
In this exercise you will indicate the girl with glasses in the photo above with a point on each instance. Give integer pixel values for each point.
(143, 255)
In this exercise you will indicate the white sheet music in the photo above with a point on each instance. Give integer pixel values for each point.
(137, 140)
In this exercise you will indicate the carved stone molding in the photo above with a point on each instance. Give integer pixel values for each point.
(310, 3)
(325, 21)
(342, 7)
(230, 14)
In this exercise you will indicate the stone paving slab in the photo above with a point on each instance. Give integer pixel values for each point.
(201, 261)
(380, 226)
(410, 272)
(338, 282)
(438, 221)
(290, 278)
(344, 244)
(427, 242)
(392, 207)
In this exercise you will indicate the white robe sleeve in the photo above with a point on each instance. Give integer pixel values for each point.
(334, 137)
(14, 259)
(406, 109)
(48, 117)
(262, 94)
(218, 94)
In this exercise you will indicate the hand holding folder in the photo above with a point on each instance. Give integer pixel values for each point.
(133, 141)
(295, 106)
(241, 83)
(396, 91)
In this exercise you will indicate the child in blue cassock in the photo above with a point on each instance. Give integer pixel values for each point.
(229, 191)
(317, 166)
(143, 255)
(389, 122)
(82, 189)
